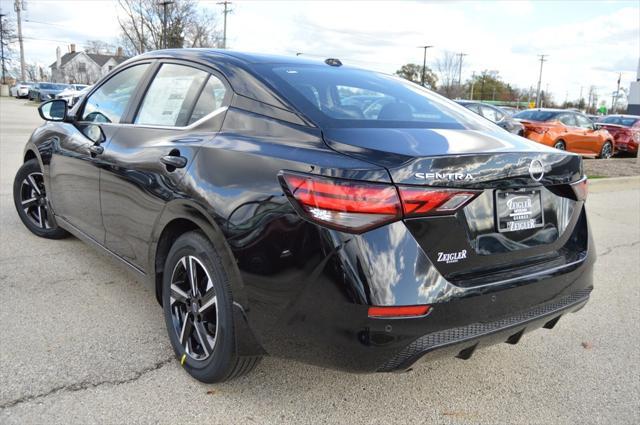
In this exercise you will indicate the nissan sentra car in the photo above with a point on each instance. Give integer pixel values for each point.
(272, 216)
(566, 130)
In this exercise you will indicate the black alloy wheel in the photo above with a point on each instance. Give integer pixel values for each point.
(32, 204)
(607, 151)
(194, 309)
(198, 311)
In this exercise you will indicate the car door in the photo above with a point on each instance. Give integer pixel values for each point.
(183, 106)
(75, 167)
(591, 141)
(572, 134)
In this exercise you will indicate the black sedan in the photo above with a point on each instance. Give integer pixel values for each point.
(494, 114)
(272, 216)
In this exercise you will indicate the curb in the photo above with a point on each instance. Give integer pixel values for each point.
(614, 184)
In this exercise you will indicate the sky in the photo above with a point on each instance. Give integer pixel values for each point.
(587, 42)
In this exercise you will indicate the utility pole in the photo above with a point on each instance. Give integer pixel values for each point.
(18, 6)
(2, 15)
(542, 61)
(424, 64)
(226, 11)
(614, 101)
(164, 5)
(460, 55)
(473, 84)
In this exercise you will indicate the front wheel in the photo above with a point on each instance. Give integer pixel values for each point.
(560, 145)
(32, 204)
(607, 151)
(198, 311)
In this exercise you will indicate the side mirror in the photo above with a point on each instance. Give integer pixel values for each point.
(94, 133)
(53, 110)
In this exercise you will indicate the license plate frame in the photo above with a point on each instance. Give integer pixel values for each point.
(518, 210)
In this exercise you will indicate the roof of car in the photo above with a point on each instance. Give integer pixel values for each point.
(234, 56)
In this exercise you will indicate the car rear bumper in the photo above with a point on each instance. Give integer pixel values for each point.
(462, 342)
(320, 323)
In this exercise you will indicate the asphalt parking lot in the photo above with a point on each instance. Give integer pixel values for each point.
(81, 342)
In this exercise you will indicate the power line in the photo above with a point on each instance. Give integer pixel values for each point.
(226, 12)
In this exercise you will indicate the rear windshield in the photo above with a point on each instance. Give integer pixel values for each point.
(345, 97)
(625, 121)
(535, 115)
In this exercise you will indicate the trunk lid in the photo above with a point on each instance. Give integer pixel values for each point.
(478, 245)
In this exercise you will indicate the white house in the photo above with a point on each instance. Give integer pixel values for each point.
(82, 67)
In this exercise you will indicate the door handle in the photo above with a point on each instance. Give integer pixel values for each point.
(96, 149)
(174, 161)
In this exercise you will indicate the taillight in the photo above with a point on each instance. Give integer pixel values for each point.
(539, 130)
(581, 189)
(356, 206)
(343, 204)
(417, 201)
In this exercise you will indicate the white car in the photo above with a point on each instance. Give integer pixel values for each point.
(72, 93)
(20, 89)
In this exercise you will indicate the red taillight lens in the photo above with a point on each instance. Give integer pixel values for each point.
(399, 311)
(539, 130)
(418, 201)
(581, 189)
(343, 204)
(355, 206)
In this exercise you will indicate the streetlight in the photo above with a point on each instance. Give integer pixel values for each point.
(424, 63)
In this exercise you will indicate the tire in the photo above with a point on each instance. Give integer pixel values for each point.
(560, 145)
(32, 204)
(607, 151)
(200, 323)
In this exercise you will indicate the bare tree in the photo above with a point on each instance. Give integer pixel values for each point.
(447, 66)
(99, 47)
(141, 26)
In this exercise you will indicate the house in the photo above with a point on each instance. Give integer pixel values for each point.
(82, 67)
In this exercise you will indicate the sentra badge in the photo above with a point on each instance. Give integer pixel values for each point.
(443, 176)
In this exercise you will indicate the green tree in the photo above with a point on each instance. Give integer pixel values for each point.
(413, 72)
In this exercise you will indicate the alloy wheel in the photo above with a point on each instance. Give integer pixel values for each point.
(606, 151)
(559, 146)
(194, 308)
(33, 199)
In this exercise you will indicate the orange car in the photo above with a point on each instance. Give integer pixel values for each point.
(566, 130)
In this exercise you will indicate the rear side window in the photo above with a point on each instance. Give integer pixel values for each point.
(110, 101)
(210, 99)
(169, 99)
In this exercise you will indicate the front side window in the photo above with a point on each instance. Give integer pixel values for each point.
(109, 103)
(584, 122)
(492, 114)
(169, 99)
(568, 120)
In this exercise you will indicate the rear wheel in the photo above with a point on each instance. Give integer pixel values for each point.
(32, 204)
(607, 151)
(560, 145)
(198, 311)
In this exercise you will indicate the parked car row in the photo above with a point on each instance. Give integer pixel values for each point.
(566, 129)
(44, 91)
